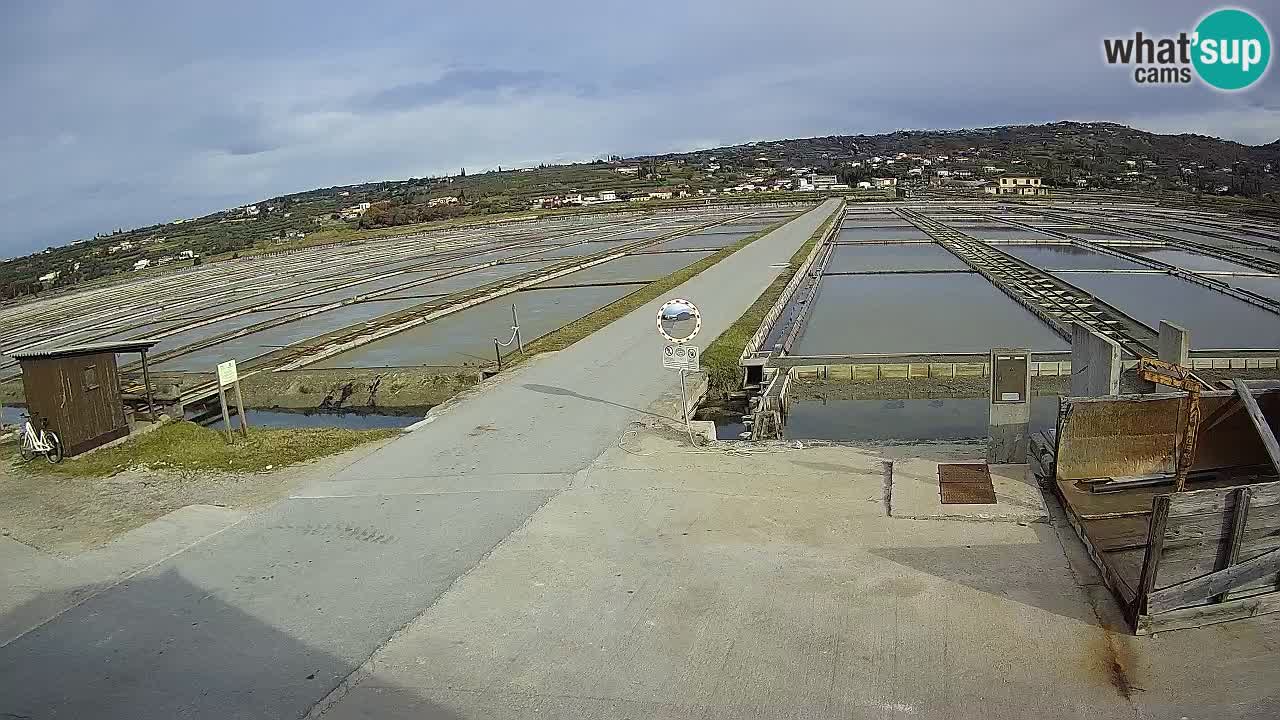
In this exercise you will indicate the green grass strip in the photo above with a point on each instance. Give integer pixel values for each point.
(720, 359)
(575, 331)
(185, 446)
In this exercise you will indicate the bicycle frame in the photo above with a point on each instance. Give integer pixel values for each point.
(33, 440)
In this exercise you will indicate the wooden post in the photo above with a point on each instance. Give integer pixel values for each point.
(244, 421)
(222, 402)
(1151, 561)
(1259, 422)
(1240, 515)
(146, 383)
(497, 351)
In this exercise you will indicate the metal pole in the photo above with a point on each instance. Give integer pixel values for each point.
(684, 399)
(497, 351)
(146, 382)
(515, 325)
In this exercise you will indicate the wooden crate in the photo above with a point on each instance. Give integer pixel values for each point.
(1172, 560)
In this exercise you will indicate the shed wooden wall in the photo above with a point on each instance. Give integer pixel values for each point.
(84, 418)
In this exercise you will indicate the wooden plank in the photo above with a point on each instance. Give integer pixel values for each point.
(1259, 422)
(1151, 560)
(1226, 410)
(1122, 533)
(1200, 589)
(1208, 614)
(1216, 500)
(1231, 407)
(222, 402)
(244, 421)
(1180, 564)
(1239, 516)
(1116, 515)
(1115, 582)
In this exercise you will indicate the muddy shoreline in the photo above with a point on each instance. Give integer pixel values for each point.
(368, 390)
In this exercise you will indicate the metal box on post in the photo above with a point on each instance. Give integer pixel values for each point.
(1010, 426)
(1010, 376)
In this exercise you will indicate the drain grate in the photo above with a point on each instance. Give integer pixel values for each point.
(965, 484)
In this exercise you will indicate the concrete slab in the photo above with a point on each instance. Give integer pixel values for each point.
(678, 582)
(308, 588)
(915, 493)
(39, 586)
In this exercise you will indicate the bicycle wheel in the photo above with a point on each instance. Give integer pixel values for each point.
(27, 453)
(54, 453)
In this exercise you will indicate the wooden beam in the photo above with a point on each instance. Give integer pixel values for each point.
(1215, 583)
(1259, 422)
(1202, 615)
(1224, 411)
(1151, 560)
(1239, 516)
(146, 381)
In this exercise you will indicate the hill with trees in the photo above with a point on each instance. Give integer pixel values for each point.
(1066, 154)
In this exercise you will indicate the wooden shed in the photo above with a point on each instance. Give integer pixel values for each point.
(77, 389)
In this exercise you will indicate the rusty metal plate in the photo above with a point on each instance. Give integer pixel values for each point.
(967, 493)
(965, 484)
(964, 473)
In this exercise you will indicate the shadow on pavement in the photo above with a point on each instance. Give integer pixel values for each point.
(562, 392)
(1023, 573)
(86, 664)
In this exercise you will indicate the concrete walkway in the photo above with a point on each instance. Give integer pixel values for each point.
(269, 617)
(680, 583)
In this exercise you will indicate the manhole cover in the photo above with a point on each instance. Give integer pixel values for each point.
(965, 484)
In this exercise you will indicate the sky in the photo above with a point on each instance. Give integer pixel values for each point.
(124, 113)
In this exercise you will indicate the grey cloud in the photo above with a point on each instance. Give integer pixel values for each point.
(456, 83)
(194, 107)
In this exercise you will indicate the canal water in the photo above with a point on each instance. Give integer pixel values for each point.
(1067, 257)
(1216, 320)
(466, 337)
(899, 257)
(918, 313)
(12, 415)
(1187, 260)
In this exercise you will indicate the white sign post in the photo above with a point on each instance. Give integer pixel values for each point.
(679, 321)
(680, 357)
(228, 375)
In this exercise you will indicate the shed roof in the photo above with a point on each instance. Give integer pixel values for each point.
(124, 346)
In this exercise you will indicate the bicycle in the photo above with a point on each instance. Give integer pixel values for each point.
(46, 442)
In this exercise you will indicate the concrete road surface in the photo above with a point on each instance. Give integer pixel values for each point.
(267, 618)
(691, 584)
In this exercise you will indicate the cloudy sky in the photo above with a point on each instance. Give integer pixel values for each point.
(122, 113)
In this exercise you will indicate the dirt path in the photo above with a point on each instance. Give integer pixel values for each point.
(68, 515)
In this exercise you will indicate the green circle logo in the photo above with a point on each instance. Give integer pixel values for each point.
(1232, 49)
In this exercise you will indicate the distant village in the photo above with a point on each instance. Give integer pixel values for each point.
(1000, 162)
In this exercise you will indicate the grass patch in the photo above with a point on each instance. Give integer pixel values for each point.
(575, 331)
(720, 359)
(186, 446)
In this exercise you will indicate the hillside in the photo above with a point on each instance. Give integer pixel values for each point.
(1067, 154)
(1063, 152)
